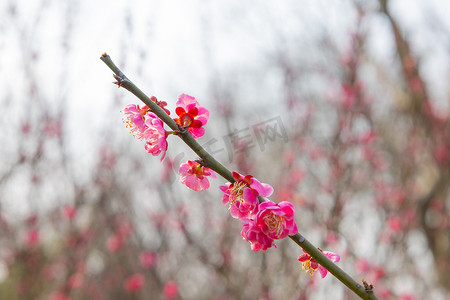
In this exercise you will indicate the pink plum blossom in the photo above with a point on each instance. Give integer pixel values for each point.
(258, 240)
(191, 115)
(407, 297)
(195, 176)
(273, 221)
(310, 265)
(135, 119)
(242, 195)
(155, 135)
(144, 124)
(113, 243)
(124, 229)
(76, 280)
(276, 220)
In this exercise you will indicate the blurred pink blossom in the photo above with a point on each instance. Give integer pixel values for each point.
(442, 153)
(68, 211)
(416, 84)
(407, 297)
(332, 238)
(124, 230)
(76, 280)
(362, 265)
(383, 293)
(53, 128)
(170, 290)
(32, 238)
(148, 259)
(59, 296)
(114, 243)
(134, 283)
(395, 223)
(371, 272)
(108, 158)
(26, 128)
(367, 137)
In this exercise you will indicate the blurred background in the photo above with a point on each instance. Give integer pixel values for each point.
(342, 106)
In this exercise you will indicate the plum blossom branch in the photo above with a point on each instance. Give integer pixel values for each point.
(210, 162)
(124, 82)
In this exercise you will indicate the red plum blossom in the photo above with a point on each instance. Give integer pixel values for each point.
(191, 115)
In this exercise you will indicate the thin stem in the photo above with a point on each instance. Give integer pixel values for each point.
(212, 163)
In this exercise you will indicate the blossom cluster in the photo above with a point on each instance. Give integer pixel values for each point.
(144, 124)
(263, 221)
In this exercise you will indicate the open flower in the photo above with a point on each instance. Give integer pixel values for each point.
(273, 221)
(242, 195)
(310, 265)
(135, 120)
(194, 175)
(155, 135)
(191, 115)
(276, 220)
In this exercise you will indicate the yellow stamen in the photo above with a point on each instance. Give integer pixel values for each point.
(275, 223)
(306, 266)
(198, 169)
(237, 192)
